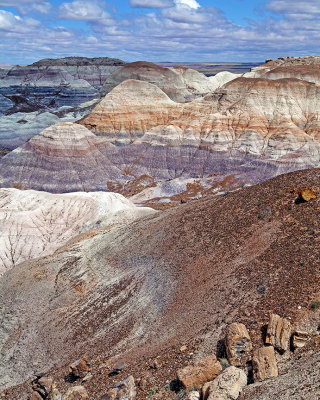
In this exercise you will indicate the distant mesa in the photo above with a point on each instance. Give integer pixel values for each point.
(76, 72)
(78, 61)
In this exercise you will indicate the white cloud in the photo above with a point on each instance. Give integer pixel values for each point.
(150, 3)
(294, 6)
(185, 14)
(8, 20)
(42, 7)
(190, 3)
(26, 6)
(80, 10)
(14, 24)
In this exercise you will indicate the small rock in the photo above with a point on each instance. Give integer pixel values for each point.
(193, 395)
(76, 393)
(118, 368)
(80, 368)
(299, 339)
(183, 348)
(238, 344)
(42, 386)
(200, 372)
(88, 377)
(264, 364)
(46, 383)
(226, 386)
(278, 332)
(124, 390)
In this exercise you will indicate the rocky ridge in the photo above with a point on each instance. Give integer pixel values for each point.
(304, 68)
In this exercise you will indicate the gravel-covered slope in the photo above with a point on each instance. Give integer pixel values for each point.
(164, 280)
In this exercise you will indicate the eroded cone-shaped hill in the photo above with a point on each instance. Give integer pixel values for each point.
(180, 84)
(162, 281)
(65, 157)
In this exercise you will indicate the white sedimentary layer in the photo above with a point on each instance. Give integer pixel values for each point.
(34, 224)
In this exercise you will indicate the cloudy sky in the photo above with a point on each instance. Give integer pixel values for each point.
(159, 30)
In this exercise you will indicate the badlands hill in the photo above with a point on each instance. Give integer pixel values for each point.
(77, 72)
(29, 114)
(179, 83)
(137, 293)
(137, 140)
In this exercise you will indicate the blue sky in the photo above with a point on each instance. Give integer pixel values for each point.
(158, 30)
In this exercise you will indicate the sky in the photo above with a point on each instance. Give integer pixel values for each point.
(159, 30)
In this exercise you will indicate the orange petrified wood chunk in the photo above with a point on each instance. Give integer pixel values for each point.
(308, 194)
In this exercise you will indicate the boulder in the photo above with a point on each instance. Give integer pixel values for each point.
(226, 386)
(299, 339)
(200, 372)
(238, 344)
(264, 364)
(278, 332)
(76, 393)
(125, 390)
(79, 368)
